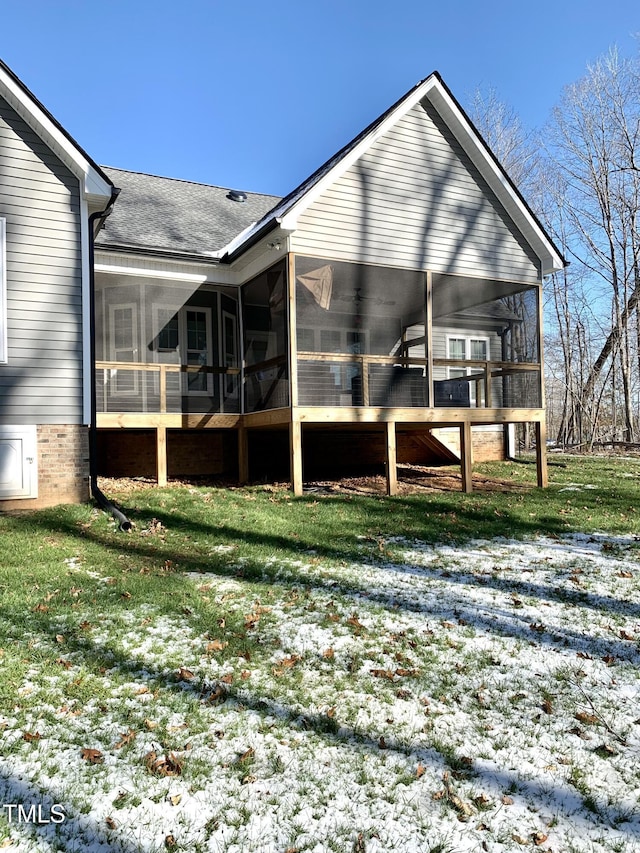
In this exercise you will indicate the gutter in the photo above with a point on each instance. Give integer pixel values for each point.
(103, 502)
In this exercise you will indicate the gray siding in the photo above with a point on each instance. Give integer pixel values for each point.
(40, 200)
(415, 200)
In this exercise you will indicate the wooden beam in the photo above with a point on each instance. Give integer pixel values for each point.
(161, 455)
(295, 456)
(293, 336)
(392, 468)
(466, 460)
(541, 454)
(243, 456)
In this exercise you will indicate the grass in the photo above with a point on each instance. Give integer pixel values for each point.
(248, 638)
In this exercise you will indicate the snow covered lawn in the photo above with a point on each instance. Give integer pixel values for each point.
(449, 698)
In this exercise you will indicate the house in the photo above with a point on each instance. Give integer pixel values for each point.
(387, 309)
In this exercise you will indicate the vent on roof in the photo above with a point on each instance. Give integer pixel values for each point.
(236, 195)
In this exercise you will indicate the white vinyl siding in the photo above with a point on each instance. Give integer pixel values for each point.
(41, 381)
(415, 200)
(3, 293)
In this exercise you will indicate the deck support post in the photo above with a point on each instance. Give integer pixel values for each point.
(295, 456)
(391, 459)
(466, 460)
(243, 456)
(161, 455)
(541, 454)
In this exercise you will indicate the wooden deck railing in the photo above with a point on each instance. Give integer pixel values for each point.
(162, 371)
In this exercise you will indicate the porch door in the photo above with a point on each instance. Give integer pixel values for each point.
(230, 382)
(123, 346)
(197, 350)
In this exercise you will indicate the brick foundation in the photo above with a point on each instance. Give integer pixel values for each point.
(63, 467)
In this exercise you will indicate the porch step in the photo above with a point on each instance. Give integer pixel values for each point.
(436, 446)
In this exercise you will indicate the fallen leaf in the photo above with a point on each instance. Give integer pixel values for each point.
(111, 823)
(584, 717)
(539, 838)
(170, 842)
(59, 638)
(420, 771)
(163, 765)
(216, 646)
(184, 674)
(507, 801)
(29, 737)
(150, 725)
(93, 756)
(126, 738)
(518, 838)
(175, 799)
(227, 679)
(329, 654)
(547, 707)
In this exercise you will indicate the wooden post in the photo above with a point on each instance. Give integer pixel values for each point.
(293, 333)
(541, 454)
(163, 389)
(466, 461)
(392, 468)
(429, 340)
(243, 456)
(161, 455)
(295, 455)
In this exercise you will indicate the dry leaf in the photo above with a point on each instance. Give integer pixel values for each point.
(227, 679)
(184, 674)
(584, 717)
(175, 799)
(29, 737)
(507, 801)
(420, 771)
(125, 738)
(150, 724)
(245, 674)
(216, 646)
(163, 765)
(111, 823)
(59, 638)
(547, 707)
(93, 756)
(328, 654)
(539, 838)
(519, 839)
(170, 842)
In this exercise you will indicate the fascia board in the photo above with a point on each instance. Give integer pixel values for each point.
(92, 183)
(494, 176)
(289, 220)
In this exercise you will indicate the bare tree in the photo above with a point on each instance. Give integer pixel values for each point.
(593, 142)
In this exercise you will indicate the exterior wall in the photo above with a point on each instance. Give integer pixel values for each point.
(42, 379)
(63, 465)
(190, 453)
(415, 200)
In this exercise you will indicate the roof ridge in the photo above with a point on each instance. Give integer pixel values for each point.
(185, 181)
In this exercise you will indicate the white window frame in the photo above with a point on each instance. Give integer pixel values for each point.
(191, 392)
(468, 371)
(119, 306)
(181, 350)
(3, 292)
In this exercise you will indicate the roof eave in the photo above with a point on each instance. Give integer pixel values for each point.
(96, 186)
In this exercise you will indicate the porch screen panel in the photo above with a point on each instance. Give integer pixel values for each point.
(265, 323)
(360, 334)
(171, 337)
(485, 343)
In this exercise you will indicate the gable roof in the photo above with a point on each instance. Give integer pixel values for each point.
(286, 214)
(95, 183)
(177, 218)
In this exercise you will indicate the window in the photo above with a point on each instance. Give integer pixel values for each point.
(3, 292)
(183, 336)
(123, 340)
(467, 348)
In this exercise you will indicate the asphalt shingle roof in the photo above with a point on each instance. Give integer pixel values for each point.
(176, 217)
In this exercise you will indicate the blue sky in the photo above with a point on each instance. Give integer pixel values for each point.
(255, 96)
